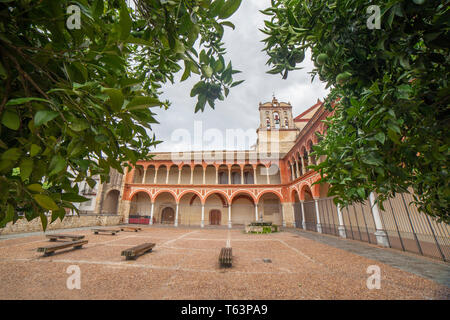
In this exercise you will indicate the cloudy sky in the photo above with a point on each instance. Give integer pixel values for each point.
(240, 109)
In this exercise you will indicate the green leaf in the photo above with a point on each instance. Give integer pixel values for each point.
(116, 98)
(79, 125)
(44, 221)
(125, 21)
(35, 187)
(26, 167)
(380, 136)
(57, 164)
(11, 120)
(11, 154)
(143, 103)
(229, 8)
(43, 116)
(34, 150)
(45, 202)
(73, 197)
(17, 101)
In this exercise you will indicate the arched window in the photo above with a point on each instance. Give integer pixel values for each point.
(268, 123)
(286, 123)
(276, 120)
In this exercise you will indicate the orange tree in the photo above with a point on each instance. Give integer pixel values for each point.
(78, 80)
(390, 130)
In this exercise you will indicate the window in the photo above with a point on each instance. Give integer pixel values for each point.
(268, 123)
(276, 120)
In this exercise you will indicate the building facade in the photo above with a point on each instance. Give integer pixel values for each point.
(271, 182)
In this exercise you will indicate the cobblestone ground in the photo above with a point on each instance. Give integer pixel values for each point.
(184, 265)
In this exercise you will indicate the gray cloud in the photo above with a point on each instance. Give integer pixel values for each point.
(240, 109)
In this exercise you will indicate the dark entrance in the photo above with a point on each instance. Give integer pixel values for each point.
(214, 217)
(168, 215)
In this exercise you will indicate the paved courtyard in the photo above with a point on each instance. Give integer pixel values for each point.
(184, 265)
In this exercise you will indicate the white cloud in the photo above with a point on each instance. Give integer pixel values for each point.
(240, 108)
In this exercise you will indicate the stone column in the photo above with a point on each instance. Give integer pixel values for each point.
(176, 216)
(267, 175)
(203, 216)
(192, 175)
(156, 175)
(303, 166)
(229, 175)
(167, 175)
(204, 175)
(151, 213)
(179, 174)
(294, 223)
(254, 175)
(341, 227)
(217, 175)
(303, 215)
(292, 172)
(283, 221)
(242, 175)
(229, 216)
(380, 233)
(144, 176)
(319, 226)
(296, 168)
(256, 212)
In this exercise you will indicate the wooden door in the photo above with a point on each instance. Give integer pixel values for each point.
(214, 217)
(168, 215)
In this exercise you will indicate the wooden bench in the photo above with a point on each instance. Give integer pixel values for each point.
(131, 229)
(49, 250)
(64, 237)
(111, 231)
(225, 257)
(134, 252)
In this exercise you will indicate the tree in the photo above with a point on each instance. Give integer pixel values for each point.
(78, 80)
(389, 131)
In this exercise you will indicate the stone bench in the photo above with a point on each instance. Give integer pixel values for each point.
(130, 229)
(225, 257)
(110, 231)
(49, 250)
(64, 237)
(134, 252)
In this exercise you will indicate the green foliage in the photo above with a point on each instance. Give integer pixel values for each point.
(389, 131)
(76, 103)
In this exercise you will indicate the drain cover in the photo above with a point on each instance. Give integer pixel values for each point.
(266, 260)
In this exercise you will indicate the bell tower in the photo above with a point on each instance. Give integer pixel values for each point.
(276, 130)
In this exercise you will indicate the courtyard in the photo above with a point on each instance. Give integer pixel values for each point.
(184, 265)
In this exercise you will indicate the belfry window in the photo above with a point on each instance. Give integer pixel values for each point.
(286, 123)
(268, 123)
(276, 120)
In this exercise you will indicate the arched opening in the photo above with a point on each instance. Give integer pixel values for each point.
(190, 209)
(248, 174)
(111, 202)
(150, 175)
(310, 147)
(274, 174)
(235, 174)
(269, 207)
(162, 174)
(223, 174)
(297, 209)
(210, 175)
(173, 174)
(301, 170)
(162, 201)
(276, 120)
(310, 209)
(140, 208)
(198, 174)
(138, 174)
(185, 174)
(216, 212)
(305, 159)
(261, 174)
(242, 209)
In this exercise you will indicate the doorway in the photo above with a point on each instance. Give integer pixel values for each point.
(215, 216)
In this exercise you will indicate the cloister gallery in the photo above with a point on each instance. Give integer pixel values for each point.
(271, 182)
